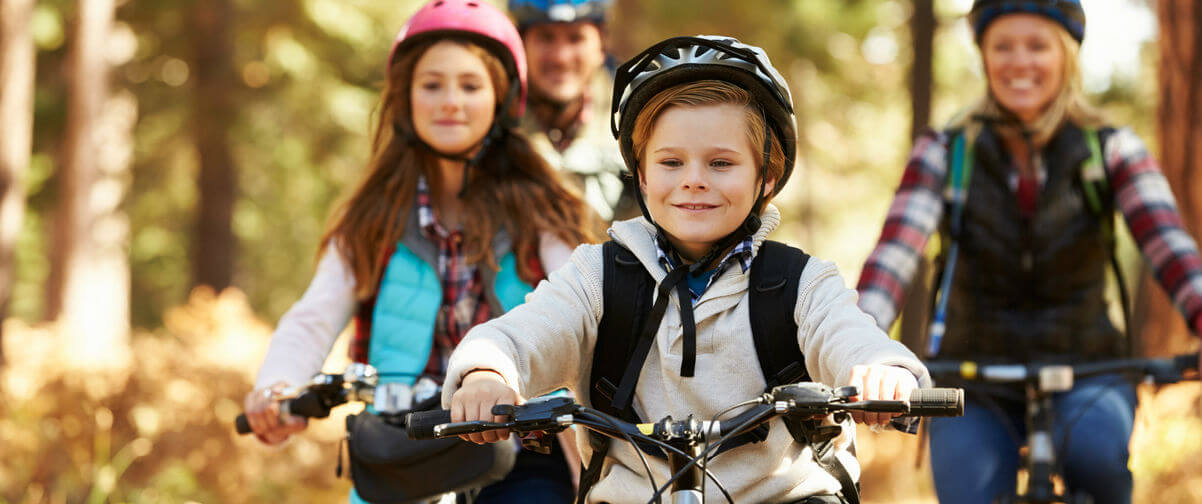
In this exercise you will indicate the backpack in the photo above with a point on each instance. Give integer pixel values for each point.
(628, 327)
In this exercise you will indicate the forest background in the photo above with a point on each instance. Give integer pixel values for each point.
(167, 168)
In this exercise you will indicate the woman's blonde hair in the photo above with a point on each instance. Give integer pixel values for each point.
(713, 92)
(1069, 104)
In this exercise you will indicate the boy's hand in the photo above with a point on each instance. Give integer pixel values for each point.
(886, 383)
(479, 392)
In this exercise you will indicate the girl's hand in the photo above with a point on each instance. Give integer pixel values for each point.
(479, 392)
(263, 414)
(886, 383)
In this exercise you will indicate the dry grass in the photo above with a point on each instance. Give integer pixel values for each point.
(160, 431)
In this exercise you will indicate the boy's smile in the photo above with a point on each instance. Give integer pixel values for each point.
(699, 175)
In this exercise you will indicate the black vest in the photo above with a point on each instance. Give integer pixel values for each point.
(1030, 289)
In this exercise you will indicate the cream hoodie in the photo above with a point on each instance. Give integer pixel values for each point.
(547, 343)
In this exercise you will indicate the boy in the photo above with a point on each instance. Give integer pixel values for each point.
(706, 126)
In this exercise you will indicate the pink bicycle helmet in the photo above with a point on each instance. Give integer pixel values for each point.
(480, 22)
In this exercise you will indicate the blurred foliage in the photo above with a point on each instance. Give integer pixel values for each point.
(310, 72)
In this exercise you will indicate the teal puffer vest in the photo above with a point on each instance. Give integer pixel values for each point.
(406, 305)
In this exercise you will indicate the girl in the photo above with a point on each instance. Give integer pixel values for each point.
(1029, 282)
(707, 129)
(455, 220)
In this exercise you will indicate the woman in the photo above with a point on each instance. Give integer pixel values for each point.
(1035, 176)
(455, 220)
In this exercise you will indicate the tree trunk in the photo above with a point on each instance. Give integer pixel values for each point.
(915, 312)
(214, 244)
(91, 234)
(16, 114)
(1162, 328)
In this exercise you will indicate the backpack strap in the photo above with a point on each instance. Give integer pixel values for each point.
(775, 278)
(626, 291)
(958, 177)
(1100, 200)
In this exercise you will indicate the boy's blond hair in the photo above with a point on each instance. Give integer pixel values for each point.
(713, 92)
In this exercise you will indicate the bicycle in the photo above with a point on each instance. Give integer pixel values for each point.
(1041, 381)
(385, 465)
(690, 442)
(358, 383)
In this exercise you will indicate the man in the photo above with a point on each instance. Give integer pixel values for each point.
(569, 99)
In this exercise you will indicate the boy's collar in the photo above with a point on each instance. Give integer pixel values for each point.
(638, 235)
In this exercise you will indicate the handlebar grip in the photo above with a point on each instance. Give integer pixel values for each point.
(242, 425)
(308, 404)
(420, 424)
(937, 402)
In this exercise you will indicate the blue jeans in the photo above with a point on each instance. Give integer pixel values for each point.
(535, 479)
(975, 459)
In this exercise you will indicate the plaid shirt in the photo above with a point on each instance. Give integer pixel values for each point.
(463, 302)
(741, 254)
(1141, 192)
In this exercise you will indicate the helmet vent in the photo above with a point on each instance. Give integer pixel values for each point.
(438, 3)
(473, 4)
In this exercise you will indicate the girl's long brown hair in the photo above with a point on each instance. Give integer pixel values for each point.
(511, 188)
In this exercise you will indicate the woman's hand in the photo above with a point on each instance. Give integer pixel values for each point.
(480, 391)
(886, 383)
(263, 414)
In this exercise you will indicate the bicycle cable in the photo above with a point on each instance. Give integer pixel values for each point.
(668, 447)
(637, 449)
(755, 420)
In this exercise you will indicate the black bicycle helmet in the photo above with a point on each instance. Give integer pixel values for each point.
(688, 59)
(1068, 13)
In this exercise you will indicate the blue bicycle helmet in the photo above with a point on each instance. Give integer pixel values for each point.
(531, 12)
(1068, 13)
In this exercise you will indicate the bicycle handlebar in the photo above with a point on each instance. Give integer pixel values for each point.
(1160, 370)
(308, 404)
(558, 413)
(358, 383)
